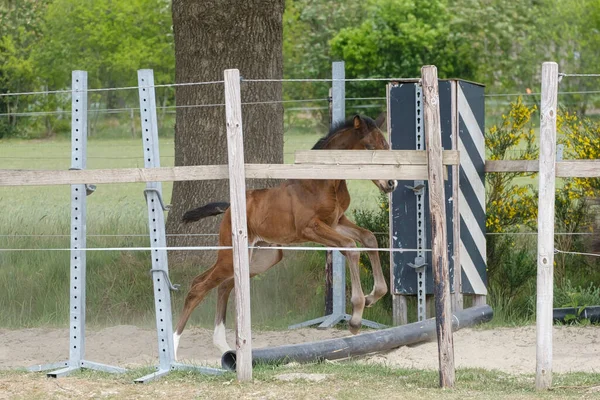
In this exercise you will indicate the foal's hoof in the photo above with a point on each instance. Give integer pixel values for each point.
(354, 327)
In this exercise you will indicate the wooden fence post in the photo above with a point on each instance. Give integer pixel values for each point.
(239, 227)
(439, 256)
(545, 261)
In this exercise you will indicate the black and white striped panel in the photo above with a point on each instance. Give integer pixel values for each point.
(404, 114)
(471, 144)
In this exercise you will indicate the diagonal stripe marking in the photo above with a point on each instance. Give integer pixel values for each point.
(471, 123)
(474, 229)
(470, 271)
(472, 175)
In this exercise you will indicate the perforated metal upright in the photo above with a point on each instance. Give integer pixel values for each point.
(338, 314)
(419, 189)
(158, 242)
(78, 240)
(462, 115)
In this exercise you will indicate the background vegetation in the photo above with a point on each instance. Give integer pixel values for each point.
(500, 44)
(490, 41)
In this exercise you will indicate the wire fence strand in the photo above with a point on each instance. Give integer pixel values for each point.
(216, 234)
(111, 88)
(557, 251)
(194, 248)
(562, 74)
(333, 80)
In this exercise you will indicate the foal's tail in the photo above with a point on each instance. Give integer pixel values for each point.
(205, 211)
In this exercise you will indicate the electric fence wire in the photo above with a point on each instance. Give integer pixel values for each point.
(216, 234)
(166, 85)
(578, 253)
(193, 248)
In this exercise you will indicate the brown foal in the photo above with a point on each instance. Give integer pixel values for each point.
(296, 211)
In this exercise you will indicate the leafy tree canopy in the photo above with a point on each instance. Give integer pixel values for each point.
(109, 39)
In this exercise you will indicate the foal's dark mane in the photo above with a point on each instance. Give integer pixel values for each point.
(341, 126)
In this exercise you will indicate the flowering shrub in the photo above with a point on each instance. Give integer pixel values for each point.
(512, 200)
(511, 208)
(510, 203)
(581, 140)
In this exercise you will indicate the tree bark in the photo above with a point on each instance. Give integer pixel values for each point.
(211, 36)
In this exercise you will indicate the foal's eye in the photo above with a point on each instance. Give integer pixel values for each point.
(369, 146)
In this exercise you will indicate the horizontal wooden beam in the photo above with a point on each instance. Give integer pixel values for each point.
(578, 169)
(512, 166)
(564, 169)
(14, 177)
(390, 157)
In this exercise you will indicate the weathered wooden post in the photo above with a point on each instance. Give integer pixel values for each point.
(239, 227)
(545, 260)
(439, 256)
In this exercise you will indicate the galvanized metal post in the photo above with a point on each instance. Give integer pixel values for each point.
(78, 239)
(419, 188)
(158, 241)
(338, 114)
(78, 221)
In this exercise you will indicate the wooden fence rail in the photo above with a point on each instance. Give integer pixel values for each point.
(564, 169)
(397, 164)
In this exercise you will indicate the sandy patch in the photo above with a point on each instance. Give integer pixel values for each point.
(506, 349)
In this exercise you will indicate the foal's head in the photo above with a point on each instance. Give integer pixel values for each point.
(358, 133)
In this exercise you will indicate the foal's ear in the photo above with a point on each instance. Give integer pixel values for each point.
(381, 120)
(357, 121)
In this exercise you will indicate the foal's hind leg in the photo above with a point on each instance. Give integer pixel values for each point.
(201, 285)
(219, 337)
(367, 239)
(262, 260)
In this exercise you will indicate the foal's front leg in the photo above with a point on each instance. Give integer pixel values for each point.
(319, 232)
(367, 239)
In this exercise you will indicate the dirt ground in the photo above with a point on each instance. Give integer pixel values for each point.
(511, 350)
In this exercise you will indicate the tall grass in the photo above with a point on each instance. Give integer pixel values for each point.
(34, 285)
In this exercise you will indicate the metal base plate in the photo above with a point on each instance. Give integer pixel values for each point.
(180, 367)
(331, 320)
(67, 370)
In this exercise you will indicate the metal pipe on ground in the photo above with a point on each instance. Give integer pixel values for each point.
(570, 314)
(365, 343)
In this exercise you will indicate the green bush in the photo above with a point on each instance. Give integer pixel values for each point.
(568, 295)
(511, 285)
(6, 129)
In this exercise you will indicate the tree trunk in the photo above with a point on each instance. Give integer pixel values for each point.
(211, 36)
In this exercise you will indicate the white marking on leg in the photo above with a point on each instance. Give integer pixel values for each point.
(176, 338)
(220, 339)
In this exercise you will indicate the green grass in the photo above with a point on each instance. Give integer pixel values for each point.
(34, 284)
(342, 380)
